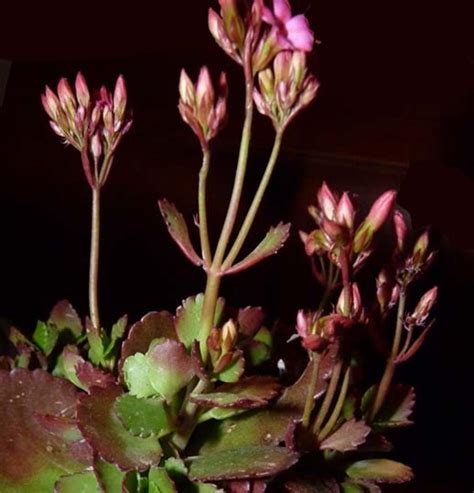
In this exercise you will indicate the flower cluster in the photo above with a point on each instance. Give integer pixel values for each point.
(285, 89)
(93, 125)
(198, 105)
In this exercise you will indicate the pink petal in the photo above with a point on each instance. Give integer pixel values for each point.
(299, 33)
(282, 10)
(268, 17)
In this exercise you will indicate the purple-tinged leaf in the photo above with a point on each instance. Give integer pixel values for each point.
(246, 462)
(103, 430)
(84, 482)
(198, 363)
(250, 319)
(188, 318)
(376, 443)
(267, 426)
(153, 325)
(257, 486)
(64, 317)
(249, 393)
(90, 376)
(32, 456)
(348, 437)
(270, 245)
(312, 485)
(380, 471)
(6, 363)
(178, 230)
(397, 407)
(231, 372)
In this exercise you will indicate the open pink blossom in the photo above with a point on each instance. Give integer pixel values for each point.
(292, 32)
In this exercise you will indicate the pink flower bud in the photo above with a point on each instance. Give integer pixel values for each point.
(66, 96)
(82, 91)
(401, 229)
(381, 209)
(204, 91)
(120, 97)
(186, 89)
(50, 103)
(423, 309)
(56, 129)
(345, 211)
(327, 201)
(420, 249)
(96, 147)
(108, 118)
(233, 23)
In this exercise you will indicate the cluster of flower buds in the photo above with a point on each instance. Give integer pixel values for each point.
(93, 125)
(317, 332)
(251, 29)
(422, 310)
(285, 89)
(336, 234)
(200, 108)
(223, 351)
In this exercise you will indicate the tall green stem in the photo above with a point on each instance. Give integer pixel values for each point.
(338, 407)
(387, 377)
(328, 398)
(203, 228)
(94, 259)
(308, 407)
(257, 200)
(214, 273)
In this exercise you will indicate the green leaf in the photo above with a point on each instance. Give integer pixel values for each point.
(39, 439)
(178, 230)
(96, 344)
(253, 462)
(270, 245)
(45, 337)
(352, 488)
(380, 471)
(143, 417)
(160, 482)
(135, 370)
(163, 371)
(85, 482)
(232, 372)
(188, 318)
(220, 413)
(117, 332)
(110, 476)
(103, 430)
(65, 318)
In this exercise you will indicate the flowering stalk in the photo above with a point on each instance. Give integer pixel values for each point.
(214, 274)
(94, 126)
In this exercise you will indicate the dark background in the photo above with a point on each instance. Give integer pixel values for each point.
(395, 109)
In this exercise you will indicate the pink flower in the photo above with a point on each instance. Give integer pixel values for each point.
(293, 32)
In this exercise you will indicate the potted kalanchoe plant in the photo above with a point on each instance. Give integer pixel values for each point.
(175, 402)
